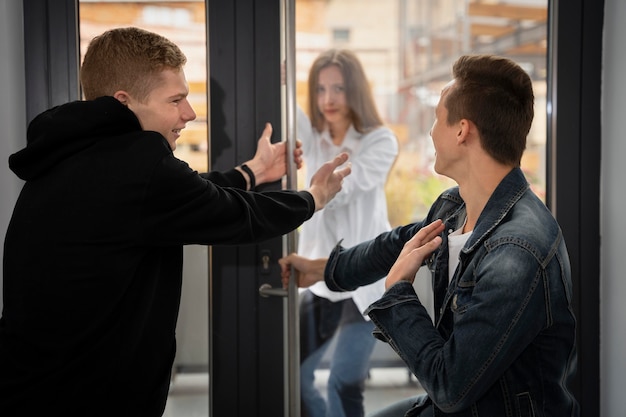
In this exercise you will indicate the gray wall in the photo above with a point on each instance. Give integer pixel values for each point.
(12, 106)
(613, 218)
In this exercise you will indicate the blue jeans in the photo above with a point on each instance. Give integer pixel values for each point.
(349, 364)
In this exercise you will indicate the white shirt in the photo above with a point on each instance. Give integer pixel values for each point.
(456, 241)
(359, 211)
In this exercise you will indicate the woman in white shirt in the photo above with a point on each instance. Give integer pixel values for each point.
(342, 118)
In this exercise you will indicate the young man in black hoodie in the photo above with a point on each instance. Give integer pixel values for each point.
(93, 252)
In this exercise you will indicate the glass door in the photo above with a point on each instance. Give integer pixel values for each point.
(184, 23)
(51, 79)
(407, 48)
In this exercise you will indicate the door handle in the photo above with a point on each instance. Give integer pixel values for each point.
(266, 290)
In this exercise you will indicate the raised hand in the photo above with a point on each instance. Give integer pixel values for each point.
(326, 182)
(269, 163)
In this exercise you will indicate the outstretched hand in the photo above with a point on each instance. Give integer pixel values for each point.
(418, 248)
(308, 271)
(327, 180)
(269, 163)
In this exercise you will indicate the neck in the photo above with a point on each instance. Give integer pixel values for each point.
(338, 131)
(477, 187)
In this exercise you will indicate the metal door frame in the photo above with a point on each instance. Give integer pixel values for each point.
(245, 49)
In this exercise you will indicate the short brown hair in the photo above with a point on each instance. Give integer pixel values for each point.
(358, 93)
(129, 59)
(496, 94)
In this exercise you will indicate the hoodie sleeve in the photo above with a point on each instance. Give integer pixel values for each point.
(182, 207)
(230, 178)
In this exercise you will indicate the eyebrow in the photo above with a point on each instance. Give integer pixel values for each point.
(179, 95)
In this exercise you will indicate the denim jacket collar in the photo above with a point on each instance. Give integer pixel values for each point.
(507, 193)
(505, 196)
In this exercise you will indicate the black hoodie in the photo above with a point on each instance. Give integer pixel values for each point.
(93, 259)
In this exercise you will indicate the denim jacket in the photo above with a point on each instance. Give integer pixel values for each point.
(503, 341)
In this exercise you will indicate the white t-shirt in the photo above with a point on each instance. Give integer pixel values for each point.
(456, 241)
(359, 211)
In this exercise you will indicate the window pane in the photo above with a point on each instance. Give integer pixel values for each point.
(182, 22)
(407, 48)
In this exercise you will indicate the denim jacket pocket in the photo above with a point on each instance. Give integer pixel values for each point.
(462, 297)
(525, 405)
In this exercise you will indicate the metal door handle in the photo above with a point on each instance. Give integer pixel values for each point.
(266, 290)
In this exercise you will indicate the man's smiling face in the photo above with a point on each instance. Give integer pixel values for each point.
(166, 110)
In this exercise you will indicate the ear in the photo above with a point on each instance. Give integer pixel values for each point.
(464, 127)
(122, 96)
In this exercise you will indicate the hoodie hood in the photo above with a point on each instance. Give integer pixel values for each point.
(63, 131)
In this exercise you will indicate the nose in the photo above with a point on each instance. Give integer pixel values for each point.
(187, 112)
(328, 97)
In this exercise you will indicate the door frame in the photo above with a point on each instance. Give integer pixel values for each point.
(574, 129)
(246, 359)
(247, 346)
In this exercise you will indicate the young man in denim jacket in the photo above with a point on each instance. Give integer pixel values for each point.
(503, 341)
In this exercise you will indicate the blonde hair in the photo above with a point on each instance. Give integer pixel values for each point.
(363, 112)
(129, 59)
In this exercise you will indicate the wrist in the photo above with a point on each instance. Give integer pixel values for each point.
(258, 170)
(317, 197)
(249, 175)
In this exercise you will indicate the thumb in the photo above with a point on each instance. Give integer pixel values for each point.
(267, 132)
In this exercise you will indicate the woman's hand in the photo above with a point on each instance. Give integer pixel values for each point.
(308, 271)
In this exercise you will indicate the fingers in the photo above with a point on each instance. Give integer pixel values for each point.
(327, 180)
(339, 160)
(267, 132)
(432, 230)
(344, 172)
(335, 163)
(297, 154)
(415, 251)
(426, 233)
(285, 269)
(307, 271)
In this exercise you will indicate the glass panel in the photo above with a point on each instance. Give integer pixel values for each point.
(184, 23)
(407, 48)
